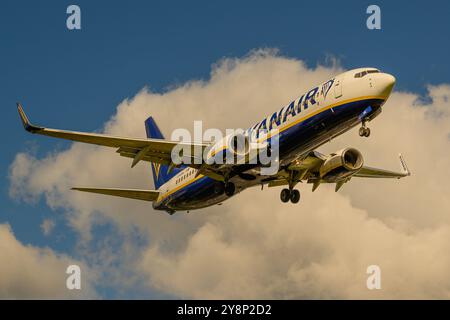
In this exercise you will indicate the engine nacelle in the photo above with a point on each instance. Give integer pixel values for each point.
(236, 146)
(239, 144)
(341, 164)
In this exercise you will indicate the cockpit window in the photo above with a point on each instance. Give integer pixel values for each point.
(363, 73)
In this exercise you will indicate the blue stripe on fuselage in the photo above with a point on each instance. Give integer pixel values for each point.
(298, 139)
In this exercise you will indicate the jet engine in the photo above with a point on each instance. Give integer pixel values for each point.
(341, 165)
(232, 149)
(239, 144)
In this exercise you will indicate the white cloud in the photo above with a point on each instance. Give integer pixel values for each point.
(47, 226)
(28, 272)
(253, 245)
(320, 249)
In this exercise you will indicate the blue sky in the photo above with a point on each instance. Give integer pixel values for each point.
(75, 79)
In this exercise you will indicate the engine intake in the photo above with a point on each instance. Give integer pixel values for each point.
(341, 164)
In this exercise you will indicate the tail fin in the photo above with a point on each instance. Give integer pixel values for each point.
(160, 171)
(152, 129)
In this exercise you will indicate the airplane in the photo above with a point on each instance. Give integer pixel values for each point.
(324, 112)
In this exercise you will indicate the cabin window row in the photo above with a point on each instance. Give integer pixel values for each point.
(185, 176)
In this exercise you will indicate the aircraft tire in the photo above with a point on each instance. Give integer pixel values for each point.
(364, 132)
(229, 189)
(219, 188)
(295, 196)
(285, 195)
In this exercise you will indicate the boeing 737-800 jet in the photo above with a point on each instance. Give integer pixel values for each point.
(350, 99)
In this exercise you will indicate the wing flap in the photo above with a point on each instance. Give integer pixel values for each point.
(311, 162)
(146, 195)
(147, 158)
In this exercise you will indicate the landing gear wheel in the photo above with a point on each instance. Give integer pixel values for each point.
(295, 196)
(219, 188)
(229, 189)
(285, 195)
(364, 132)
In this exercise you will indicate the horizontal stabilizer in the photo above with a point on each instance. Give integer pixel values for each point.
(146, 195)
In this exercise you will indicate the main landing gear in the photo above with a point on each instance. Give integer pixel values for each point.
(364, 131)
(291, 193)
(287, 194)
(229, 189)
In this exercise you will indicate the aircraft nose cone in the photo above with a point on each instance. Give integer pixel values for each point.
(387, 84)
(390, 79)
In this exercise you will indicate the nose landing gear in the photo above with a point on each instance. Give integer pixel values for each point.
(364, 131)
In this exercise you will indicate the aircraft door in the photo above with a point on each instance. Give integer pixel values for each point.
(338, 88)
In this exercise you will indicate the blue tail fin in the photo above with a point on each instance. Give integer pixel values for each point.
(160, 174)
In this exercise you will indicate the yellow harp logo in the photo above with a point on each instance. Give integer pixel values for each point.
(156, 166)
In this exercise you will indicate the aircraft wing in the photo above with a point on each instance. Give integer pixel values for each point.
(152, 150)
(308, 169)
(146, 195)
(369, 172)
(315, 159)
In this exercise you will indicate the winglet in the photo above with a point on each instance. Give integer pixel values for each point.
(25, 122)
(404, 166)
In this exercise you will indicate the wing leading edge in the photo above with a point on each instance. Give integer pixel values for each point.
(152, 150)
(146, 195)
(369, 172)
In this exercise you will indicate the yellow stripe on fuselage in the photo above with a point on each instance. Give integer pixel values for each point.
(337, 104)
(163, 196)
